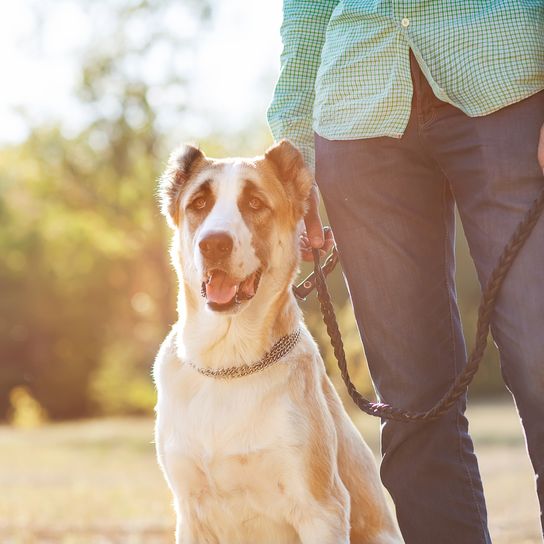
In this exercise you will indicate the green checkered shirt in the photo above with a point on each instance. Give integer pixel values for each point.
(345, 68)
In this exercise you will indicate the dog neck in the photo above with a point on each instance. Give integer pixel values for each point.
(214, 340)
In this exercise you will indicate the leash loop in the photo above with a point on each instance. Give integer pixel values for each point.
(485, 312)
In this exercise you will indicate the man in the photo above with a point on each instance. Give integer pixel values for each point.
(416, 105)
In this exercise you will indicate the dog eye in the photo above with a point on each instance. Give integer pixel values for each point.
(255, 203)
(199, 203)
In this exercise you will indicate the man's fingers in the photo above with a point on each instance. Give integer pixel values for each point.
(329, 239)
(314, 228)
(307, 255)
(306, 247)
(315, 236)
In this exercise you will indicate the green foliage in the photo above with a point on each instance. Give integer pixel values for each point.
(87, 291)
(82, 237)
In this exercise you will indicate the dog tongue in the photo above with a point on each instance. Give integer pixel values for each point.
(220, 288)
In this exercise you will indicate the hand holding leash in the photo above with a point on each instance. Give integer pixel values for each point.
(315, 236)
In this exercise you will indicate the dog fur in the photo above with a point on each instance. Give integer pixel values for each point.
(271, 457)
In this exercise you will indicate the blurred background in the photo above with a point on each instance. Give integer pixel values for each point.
(93, 97)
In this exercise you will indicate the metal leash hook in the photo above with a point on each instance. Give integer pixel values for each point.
(485, 312)
(305, 287)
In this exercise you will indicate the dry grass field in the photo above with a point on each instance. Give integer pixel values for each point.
(97, 481)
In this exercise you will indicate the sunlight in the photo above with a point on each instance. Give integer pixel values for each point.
(230, 73)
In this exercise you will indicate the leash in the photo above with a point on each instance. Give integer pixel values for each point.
(487, 304)
(304, 288)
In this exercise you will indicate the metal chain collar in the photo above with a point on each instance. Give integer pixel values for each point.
(281, 348)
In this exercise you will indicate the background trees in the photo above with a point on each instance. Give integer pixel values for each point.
(86, 289)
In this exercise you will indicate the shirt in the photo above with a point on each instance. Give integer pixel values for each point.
(345, 68)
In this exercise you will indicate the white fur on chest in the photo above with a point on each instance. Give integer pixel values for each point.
(226, 448)
(202, 416)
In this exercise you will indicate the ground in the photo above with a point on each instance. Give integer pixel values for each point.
(97, 482)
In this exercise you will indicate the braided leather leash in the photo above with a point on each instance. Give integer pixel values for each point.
(485, 311)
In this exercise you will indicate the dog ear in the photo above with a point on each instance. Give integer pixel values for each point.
(181, 165)
(292, 171)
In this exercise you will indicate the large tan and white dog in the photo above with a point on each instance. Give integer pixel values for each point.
(270, 456)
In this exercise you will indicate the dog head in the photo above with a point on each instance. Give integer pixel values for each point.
(235, 221)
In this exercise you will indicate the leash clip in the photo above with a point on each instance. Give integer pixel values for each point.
(305, 287)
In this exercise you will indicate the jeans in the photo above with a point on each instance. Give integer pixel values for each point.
(391, 206)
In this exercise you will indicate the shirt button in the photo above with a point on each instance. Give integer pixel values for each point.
(405, 22)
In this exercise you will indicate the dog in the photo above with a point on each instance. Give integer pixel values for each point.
(250, 434)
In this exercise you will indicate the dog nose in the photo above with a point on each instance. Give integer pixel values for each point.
(216, 245)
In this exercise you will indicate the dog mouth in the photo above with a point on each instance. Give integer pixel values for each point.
(223, 292)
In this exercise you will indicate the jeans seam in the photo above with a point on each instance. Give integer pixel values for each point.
(430, 119)
(454, 351)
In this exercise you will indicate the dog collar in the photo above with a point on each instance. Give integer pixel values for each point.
(281, 348)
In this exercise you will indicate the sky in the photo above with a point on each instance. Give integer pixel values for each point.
(235, 64)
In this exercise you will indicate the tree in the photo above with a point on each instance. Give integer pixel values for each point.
(87, 291)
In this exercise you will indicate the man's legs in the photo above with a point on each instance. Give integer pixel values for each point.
(391, 210)
(492, 165)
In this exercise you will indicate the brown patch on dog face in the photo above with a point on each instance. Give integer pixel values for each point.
(259, 216)
(200, 202)
(183, 163)
(287, 197)
(281, 176)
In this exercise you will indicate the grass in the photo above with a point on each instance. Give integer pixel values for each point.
(97, 481)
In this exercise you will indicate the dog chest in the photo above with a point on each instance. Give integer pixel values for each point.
(231, 418)
(227, 450)
(222, 430)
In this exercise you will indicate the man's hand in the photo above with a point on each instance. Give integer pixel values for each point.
(315, 236)
(541, 149)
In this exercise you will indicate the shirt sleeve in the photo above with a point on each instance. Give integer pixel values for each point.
(303, 35)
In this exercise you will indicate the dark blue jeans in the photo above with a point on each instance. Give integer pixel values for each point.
(391, 206)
